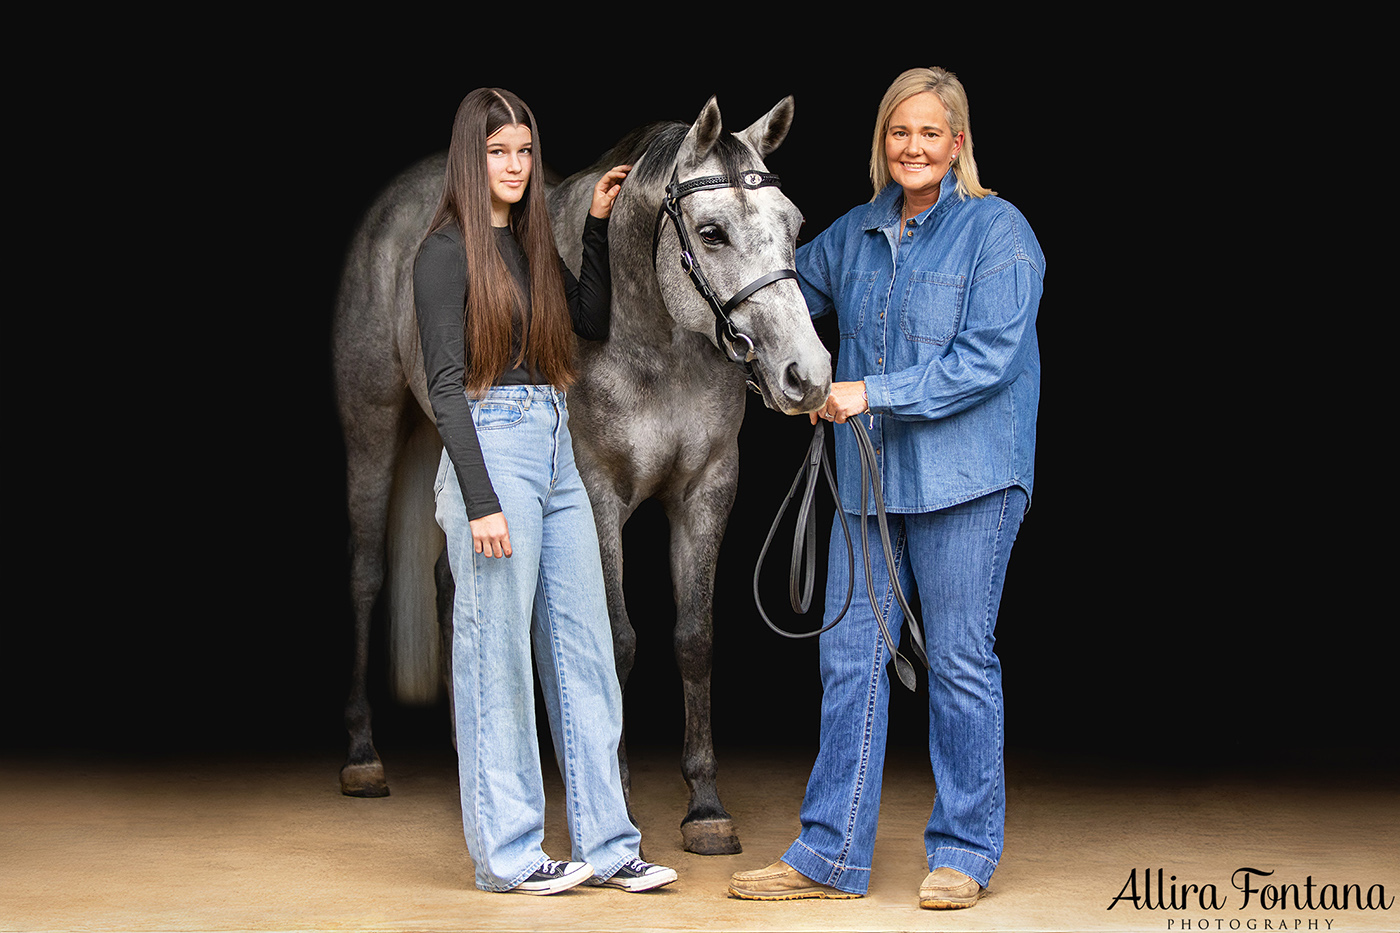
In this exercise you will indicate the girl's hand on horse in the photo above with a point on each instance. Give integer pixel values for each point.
(490, 535)
(605, 191)
(847, 399)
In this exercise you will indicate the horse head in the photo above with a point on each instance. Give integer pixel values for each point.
(723, 249)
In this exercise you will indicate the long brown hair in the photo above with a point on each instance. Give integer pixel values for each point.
(492, 293)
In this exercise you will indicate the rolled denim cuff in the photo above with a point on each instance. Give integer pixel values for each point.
(820, 869)
(973, 864)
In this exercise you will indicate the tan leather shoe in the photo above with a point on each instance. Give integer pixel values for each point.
(779, 882)
(948, 889)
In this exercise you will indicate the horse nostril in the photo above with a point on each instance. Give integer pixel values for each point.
(793, 383)
(800, 388)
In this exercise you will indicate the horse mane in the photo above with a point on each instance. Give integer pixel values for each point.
(661, 143)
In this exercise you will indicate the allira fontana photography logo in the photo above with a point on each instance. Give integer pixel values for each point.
(1202, 904)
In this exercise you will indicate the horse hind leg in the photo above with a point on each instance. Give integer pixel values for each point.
(697, 526)
(362, 775)
(372, 442)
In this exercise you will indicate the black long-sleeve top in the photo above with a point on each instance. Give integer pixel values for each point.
(439, 297)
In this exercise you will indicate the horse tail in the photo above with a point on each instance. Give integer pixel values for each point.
(414, 543)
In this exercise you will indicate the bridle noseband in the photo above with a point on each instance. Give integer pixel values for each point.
(728, 337)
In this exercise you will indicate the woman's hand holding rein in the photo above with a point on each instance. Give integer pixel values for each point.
(847, 399)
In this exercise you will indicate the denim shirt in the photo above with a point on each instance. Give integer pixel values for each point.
(940, 324)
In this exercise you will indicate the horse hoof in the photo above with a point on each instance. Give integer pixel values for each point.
(364, 780)
(710, 837)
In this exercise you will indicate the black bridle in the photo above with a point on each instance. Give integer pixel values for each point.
(736, 345)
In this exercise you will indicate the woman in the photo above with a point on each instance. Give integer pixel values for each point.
(497, 311)
(935, 284)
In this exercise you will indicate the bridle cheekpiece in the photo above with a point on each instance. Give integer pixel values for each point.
(736, 345)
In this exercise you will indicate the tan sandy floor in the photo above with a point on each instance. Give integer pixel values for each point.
(270, 844)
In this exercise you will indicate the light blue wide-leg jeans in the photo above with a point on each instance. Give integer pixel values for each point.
(549, 592)
(958, 559)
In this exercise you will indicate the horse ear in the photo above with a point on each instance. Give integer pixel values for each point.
(770, 130)
(703, 133)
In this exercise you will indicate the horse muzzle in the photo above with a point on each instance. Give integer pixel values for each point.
(793, 386)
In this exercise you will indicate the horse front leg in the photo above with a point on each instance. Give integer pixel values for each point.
(697, 527)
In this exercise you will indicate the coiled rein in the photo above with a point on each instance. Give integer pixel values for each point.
(802, 570)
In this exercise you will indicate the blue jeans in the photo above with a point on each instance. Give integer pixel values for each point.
(549, 592)
(958, 558)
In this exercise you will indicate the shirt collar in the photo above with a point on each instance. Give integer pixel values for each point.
(885, 209)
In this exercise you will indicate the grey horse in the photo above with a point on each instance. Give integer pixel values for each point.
(655, 414)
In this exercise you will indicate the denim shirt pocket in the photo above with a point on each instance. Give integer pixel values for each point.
(858, 292)
(493, 414)
(932, 307)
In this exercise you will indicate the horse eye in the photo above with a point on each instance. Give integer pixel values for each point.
(712, 235)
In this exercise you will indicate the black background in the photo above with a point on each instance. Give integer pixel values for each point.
(1184, 591)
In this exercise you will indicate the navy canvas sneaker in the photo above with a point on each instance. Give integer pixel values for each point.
(553, 877)
(636, 875)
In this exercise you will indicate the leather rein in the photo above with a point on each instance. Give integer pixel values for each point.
(804, 547)
(736, 345)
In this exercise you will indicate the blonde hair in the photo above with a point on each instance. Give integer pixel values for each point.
(950, 91)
